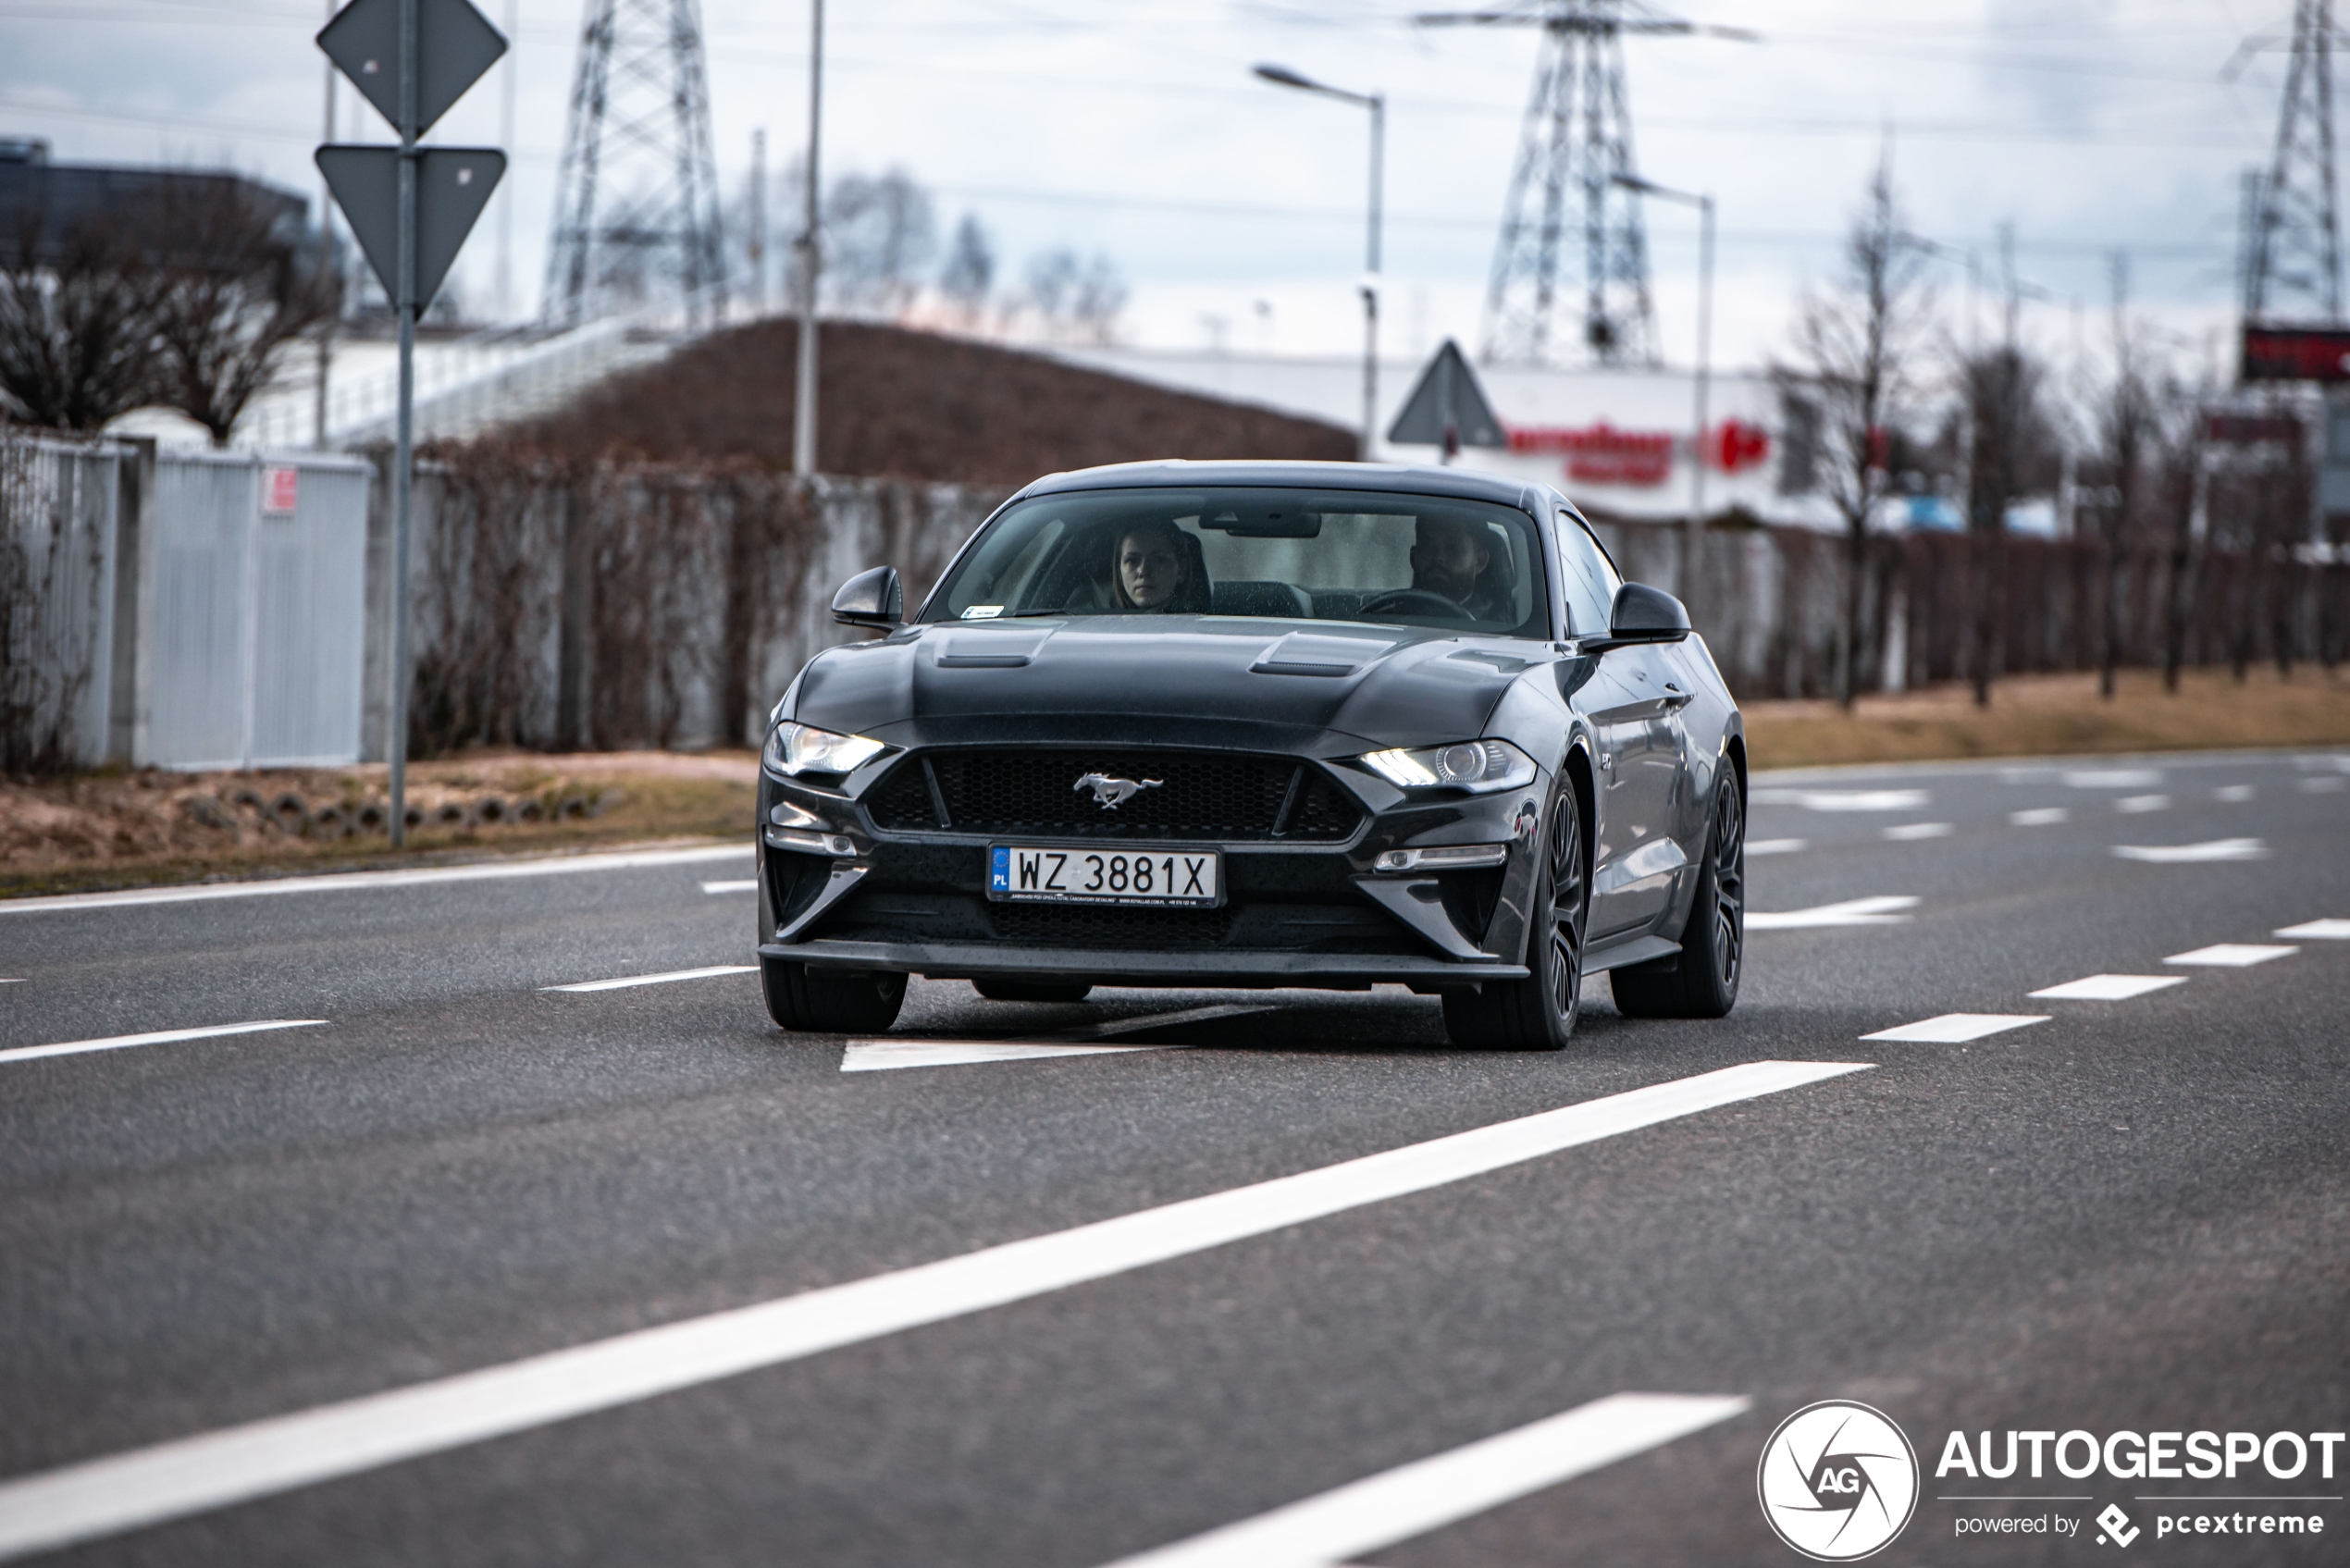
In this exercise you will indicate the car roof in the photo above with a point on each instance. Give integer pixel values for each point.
(1398, 478)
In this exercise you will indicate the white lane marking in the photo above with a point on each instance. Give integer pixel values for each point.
(1907, 831)
(1776, 845)
(2230, 954)
(1955, 1028)
(346, 881)
(2190, 854)
(2233, 792)
(160, 1037)
(2321, 931)
(1844, 799)
(18, 981)
(2109, 987)
(886, 1054)
(2141, 803)
(172, 1480)
(748, 884)
(1878, 911)
(2040, 817)
(2324, 785)
(626, 980)
(1411, 1500)
(2112, 778)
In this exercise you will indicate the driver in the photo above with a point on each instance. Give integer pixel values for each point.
(1149, 568)
(1449, 558)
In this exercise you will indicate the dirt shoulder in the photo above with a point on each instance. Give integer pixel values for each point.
(2056, 716)
(122, 829)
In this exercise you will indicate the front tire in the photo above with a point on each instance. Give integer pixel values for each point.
(863, 1001)
(1539, 1012)
(1001, 990)
(1702, 980)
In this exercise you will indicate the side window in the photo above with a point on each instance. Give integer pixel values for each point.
(1590, 581)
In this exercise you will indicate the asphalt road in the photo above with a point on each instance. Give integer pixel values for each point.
(2132, 1216)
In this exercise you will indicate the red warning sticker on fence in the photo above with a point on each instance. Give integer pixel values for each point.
(281, 489)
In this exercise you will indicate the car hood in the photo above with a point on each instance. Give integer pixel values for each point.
(1185, 680)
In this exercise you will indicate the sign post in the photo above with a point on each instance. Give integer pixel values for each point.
(410, 208)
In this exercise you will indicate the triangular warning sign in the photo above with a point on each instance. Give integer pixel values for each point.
(452, 186)
(1448, 398)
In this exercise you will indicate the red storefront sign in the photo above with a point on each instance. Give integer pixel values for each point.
(1601, 454)
(281, 489)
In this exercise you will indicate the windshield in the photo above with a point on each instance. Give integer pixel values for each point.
(1328, 555)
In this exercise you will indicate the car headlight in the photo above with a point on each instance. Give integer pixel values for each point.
(794, 748)
(1471, 764)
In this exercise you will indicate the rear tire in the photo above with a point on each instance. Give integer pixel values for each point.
(1538, 1013)
(1702, 980)
(998, 990)
(863, 1002)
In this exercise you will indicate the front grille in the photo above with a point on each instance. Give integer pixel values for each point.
(1206, 795)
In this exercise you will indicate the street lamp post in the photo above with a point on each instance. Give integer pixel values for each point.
(1693, 541)
(1282, 75)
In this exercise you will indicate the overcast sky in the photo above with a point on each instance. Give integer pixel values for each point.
(1133, 127)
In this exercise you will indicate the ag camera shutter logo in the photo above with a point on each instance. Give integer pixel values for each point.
(1838, 1481)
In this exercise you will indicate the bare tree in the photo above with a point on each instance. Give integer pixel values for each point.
(1855, 342)
(2130, 429)
(1075, 301)
(1100, 300)
(969, 273)
(879, 236)
(77, 324)
(2182, 473)
(238, 287)
(2008, 445)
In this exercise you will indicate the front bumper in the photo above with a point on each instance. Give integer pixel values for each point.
(838, 893)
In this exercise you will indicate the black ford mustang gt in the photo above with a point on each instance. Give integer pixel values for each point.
(1261, 724)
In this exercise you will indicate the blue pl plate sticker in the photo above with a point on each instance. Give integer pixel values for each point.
(999, 869)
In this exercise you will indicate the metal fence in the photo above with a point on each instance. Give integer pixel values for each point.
(58, 506)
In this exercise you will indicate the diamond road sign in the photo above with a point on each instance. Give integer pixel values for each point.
(452, 186)
(455, 45)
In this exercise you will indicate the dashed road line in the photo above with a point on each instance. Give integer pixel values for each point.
(626, 980)
(1776, 845)
(1907, 831)
(2109, 987)
(2230, 954)
(2233, 794)
(2112, 778)
(2190, 854)
(2324, 785)
(1845, 799)
(747, 884)
(2142, 803)
(159, 1037)
(1411, 1500)
(348, 882)
(1957, 1028)
(2039, 817)
(2321, 931)
(172, 1480)
(1883, 910)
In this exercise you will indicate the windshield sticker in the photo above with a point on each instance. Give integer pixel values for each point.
(982, 613)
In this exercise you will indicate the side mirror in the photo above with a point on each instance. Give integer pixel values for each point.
(875, 599)
(1642, 614)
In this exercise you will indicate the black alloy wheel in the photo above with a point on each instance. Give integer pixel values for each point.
(817, 1002)
(1702, 980)
(1539, 1012)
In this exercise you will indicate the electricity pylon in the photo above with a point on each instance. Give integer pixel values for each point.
(1564, 197)
(637, 203)
(2293, 269)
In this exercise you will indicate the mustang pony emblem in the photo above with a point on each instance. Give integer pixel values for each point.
(1109, 793)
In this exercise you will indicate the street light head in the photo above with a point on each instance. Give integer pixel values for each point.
(1282, 75)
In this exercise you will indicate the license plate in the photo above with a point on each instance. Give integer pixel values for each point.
(1170, 878)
